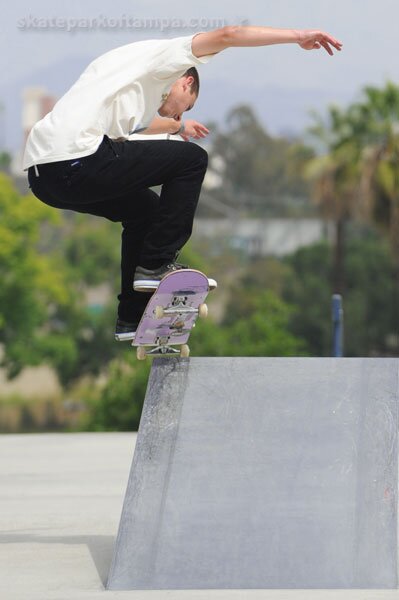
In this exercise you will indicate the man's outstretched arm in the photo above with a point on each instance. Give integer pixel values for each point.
(211, 42)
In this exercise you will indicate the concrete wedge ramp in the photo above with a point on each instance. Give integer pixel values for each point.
(256, 473)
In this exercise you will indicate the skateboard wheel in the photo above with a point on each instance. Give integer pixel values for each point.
(185, 351)
(203, 311)
(159, 312)
(141, 353)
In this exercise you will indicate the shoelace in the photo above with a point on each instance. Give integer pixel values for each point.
(176, 266)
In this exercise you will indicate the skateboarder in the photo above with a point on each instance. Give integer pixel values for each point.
(80, 157)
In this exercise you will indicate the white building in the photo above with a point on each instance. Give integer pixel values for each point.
(263, 237)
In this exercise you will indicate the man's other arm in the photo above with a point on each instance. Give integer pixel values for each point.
(162, 125)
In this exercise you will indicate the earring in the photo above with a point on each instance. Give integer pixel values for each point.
(164, 97)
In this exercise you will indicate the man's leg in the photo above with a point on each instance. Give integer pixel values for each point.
(136, 215)
(132, 303)
(135, 212)
(173, 223)
(122, 170)
(179, 167)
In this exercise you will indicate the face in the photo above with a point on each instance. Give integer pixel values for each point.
(179, 100)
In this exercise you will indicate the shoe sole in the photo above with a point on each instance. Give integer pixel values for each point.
(145, 285)
(125, 337)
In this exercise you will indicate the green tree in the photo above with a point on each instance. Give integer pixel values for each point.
(358, 177)
(5, 161)
(91, 248)
(257, 323)
(375, 121)
(265, 331)
(119, 404)
(307, 287)
(335, 180)
(44, 316)
(369, 301)
(261, 174)
(32, 283)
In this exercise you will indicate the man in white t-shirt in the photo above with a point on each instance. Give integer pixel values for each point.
(79, 156)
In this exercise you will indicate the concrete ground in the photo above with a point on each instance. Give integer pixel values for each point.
(61, 497)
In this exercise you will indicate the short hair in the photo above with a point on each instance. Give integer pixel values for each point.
(195, 84)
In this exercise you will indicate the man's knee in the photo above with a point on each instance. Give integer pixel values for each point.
(197, 154)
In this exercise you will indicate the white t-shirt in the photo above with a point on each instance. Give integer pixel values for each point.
(118, 93)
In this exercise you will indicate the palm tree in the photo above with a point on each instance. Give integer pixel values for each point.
(334, 175)
(359, 175)
(377, 131)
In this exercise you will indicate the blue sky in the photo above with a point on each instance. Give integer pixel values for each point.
(282, 82)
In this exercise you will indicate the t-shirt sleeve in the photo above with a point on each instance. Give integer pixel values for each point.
(175, 56)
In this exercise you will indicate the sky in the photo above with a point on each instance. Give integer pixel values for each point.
(282, 83)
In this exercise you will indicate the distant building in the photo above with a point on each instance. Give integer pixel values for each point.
(36, 103)
(262, 237)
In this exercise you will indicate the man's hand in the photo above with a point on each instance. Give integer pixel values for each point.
(310, 39)
(193, 129)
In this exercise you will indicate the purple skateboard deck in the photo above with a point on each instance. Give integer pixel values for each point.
(179, 294)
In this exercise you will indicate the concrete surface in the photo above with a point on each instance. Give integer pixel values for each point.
(263, 473)
(61, 497)
(60, 501)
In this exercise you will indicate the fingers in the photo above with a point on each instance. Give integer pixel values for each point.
(201, 129)
(335, 43)
(327, 40)
(326, 47)
(200, 134)
(314, 40)
(195, 130)
(323, 42)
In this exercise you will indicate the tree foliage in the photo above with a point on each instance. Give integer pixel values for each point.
(118, 406)
(370, 305)
(357, 176)
(261, 174)
(43, 313)
(33, 287)
(51, 262)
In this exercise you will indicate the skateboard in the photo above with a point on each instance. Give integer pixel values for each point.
(171, 313)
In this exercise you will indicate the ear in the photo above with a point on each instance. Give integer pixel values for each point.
(188, 81)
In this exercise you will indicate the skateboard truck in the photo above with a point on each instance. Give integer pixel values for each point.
(162, 350)
(181, 309)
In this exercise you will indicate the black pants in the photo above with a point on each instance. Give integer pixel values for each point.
(113, 183)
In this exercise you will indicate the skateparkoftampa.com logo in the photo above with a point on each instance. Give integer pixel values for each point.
(123, 22)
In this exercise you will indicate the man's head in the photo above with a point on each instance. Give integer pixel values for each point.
(182, 95)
